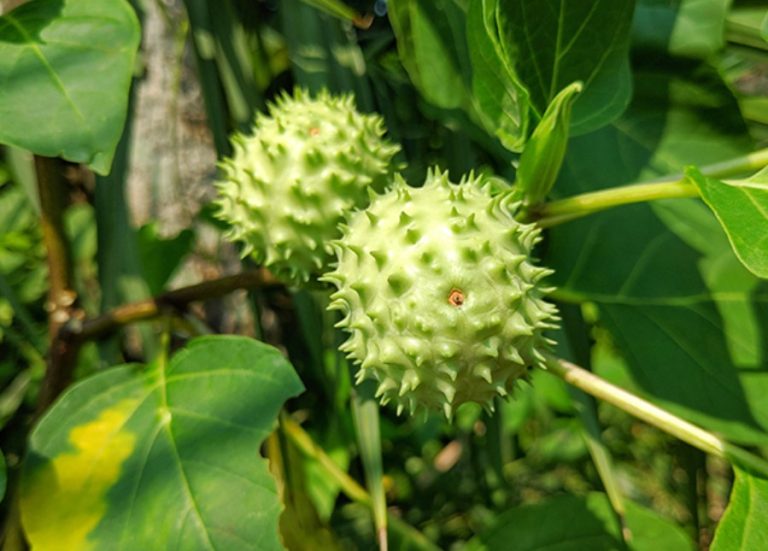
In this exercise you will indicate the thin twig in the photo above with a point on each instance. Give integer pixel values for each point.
(171, 301)
(75, 332)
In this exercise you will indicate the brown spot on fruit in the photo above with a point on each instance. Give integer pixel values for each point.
(456, 298)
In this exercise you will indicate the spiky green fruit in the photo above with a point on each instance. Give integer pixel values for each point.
(439, 294)
(289, 183)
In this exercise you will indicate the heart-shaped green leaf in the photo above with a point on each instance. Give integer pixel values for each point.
(166, 458)
(552, 43)
(65, 74)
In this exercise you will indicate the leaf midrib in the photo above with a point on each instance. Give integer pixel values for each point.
(44, 61)
(168, 427)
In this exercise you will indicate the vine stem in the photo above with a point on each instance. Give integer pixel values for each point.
(654, 415)
(674, 187)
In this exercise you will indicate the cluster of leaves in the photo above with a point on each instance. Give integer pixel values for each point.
(565, 98)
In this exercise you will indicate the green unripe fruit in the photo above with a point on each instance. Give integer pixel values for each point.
(439, 294)
(288, 184)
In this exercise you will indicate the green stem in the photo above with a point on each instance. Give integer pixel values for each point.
(654, 415)
(307, 446)
(673, 187)
(348, 485)
(365, 414)
(565, 210)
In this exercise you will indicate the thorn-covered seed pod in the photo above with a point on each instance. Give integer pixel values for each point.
(288, 184)
(446, 294)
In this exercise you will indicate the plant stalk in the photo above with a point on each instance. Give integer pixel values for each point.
(175, 300)
(62, 297)
(308, 447)
(654, 415)
(348, 485)
(558, 212)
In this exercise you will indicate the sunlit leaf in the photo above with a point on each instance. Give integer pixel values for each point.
(744, 525)
(741, 206)
(65, 71)
(166, 458)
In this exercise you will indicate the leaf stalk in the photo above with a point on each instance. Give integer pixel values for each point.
(675, 186)
(654, 415)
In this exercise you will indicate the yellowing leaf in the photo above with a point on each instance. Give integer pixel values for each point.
(136, 459)
(65, 500)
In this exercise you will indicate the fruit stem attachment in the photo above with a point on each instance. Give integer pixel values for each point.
(654, 415)
(671, 187)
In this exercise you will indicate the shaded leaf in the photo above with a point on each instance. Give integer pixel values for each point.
(731, 284)
(323, 53)
(161, 459)
(431, 41)
(571, 523)
(688, 368)
(552, 43)
(160, 258)
(744, 525)
(689, 28)
(65, 71)
(741, 206)
(3, 476)
(336, 8)
(661, 288)
(501, 101)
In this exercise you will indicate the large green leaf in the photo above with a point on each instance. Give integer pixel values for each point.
(501, 101)
(571, 523)
(744, 525)
(65, 71)
(661, 286)
(166, 458)
(689, 28)
(742, 208)
(431, 40)
(552, 43)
